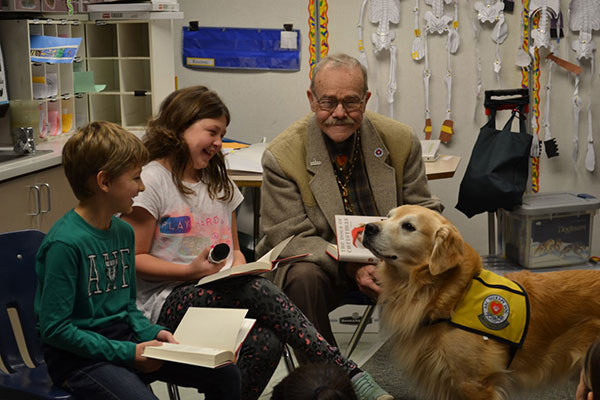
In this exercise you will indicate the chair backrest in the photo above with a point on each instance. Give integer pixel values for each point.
(17, 291)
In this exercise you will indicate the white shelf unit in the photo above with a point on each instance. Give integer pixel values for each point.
(57, 111)
(134, 58)
(136, 62)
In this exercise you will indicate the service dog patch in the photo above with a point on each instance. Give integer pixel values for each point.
(494, 312)
(494, 306)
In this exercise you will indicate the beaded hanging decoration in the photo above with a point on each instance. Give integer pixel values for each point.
(343, 174)
(321, 29)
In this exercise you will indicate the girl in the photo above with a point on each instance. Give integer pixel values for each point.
(315, 382)
(589, 381)
(187, 208)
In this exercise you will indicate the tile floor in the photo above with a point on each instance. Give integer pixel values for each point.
(368, 345)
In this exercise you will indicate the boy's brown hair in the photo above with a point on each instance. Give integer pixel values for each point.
(100, 146)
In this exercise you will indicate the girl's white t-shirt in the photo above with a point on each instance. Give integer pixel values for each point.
(185, 226)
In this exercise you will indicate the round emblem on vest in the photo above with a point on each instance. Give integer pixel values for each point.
(494, 312)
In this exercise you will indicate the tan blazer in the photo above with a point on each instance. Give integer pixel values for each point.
(300, 196)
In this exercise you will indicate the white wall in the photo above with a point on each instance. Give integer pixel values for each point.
(265, 103)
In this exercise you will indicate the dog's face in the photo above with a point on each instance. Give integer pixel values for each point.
(414, 236)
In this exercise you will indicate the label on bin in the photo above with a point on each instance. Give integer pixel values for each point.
(563, 239)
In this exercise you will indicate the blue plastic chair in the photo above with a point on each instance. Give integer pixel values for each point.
(23, 373)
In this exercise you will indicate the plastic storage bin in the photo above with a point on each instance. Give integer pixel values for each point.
(550, 230)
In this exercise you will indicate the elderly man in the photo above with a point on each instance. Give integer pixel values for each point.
(339, 159)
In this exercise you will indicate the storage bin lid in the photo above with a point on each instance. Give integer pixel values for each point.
(557, 202)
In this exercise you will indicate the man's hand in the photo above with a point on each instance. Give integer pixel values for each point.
(144, 364)
(365, 276)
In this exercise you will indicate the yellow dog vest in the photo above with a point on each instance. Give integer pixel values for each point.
(494, 306)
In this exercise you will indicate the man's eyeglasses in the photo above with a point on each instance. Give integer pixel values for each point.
(350, 104)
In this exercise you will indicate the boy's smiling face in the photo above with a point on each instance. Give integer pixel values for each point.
(124, 188)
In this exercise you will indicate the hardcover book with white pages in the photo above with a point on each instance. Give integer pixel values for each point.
(208, 337)
(349, 233)
(266, 263)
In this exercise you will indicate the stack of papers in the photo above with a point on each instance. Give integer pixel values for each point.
(246, 160)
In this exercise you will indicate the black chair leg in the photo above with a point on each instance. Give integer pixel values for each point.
(360, 329)
(173, 391)
(288, 359)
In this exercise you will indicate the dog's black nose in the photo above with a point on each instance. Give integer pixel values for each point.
(371, 229)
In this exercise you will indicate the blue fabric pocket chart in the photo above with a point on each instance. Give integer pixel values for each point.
(241, 48)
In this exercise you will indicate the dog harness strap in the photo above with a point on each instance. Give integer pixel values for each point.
(496, 307)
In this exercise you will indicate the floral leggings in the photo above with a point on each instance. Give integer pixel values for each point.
(278, 321)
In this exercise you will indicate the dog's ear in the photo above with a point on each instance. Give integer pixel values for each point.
(447, 249)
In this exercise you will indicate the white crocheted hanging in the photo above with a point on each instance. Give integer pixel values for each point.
(383, 13)
(437, 22)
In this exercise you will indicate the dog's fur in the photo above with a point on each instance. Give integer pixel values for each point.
(425, 269)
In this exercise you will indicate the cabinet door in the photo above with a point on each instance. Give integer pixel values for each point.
(35, 201)
(56, 196)
(19, 202)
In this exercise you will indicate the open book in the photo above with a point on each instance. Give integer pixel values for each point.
(208, 337)
(266, 263)
(349, 230)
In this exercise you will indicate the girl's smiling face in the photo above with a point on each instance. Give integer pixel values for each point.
(204, 140)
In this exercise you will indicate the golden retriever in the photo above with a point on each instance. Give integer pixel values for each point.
(425, 269)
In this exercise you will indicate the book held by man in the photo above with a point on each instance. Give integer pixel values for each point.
(349, 233)
(266, 263)
(208, 337)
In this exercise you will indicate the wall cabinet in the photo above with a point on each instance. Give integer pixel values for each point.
(35, 201)
(134, 59)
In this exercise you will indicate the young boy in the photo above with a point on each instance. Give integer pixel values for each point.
(93, 334)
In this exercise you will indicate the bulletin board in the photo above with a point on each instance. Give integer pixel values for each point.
(241, 48)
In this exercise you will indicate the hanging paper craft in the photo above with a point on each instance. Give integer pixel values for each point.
(437, 22)
(383, 13)
(547, 10)
(241, 48)
(491, 11)
(585, 18)
(550, 145)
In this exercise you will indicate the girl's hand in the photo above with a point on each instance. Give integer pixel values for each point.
(144, 364)
(201, 267)
(166, 336)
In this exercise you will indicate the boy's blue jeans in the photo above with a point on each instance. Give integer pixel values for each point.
(96, 379)
(106, 381)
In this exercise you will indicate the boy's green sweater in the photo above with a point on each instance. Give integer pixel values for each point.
(86, 281)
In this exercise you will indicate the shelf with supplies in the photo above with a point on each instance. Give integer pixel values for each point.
(42, 92)
(121, 72)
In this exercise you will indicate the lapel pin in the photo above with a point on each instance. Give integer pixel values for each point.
(314, 163)
(378, 152)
